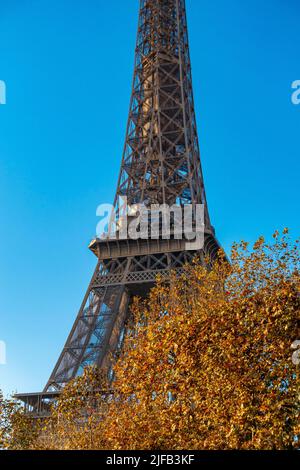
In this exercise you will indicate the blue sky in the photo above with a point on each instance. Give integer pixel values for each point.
(68, 69)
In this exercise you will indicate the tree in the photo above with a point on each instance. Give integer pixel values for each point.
(18, 430)
(77, 418)
(206, 364)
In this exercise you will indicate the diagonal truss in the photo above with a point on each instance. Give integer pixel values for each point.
(161, 160)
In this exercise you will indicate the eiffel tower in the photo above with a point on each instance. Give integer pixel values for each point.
(160, 165)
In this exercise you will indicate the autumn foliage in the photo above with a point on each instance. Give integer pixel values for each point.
(207, 364)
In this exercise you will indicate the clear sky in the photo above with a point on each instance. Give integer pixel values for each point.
(68, 68)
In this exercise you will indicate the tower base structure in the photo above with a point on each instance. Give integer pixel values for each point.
(125, 268)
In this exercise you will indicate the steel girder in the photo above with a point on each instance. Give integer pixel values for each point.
(99, 327)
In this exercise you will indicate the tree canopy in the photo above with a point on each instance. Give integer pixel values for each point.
(206, 364)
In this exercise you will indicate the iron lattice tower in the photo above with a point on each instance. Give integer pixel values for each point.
(160, 165)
